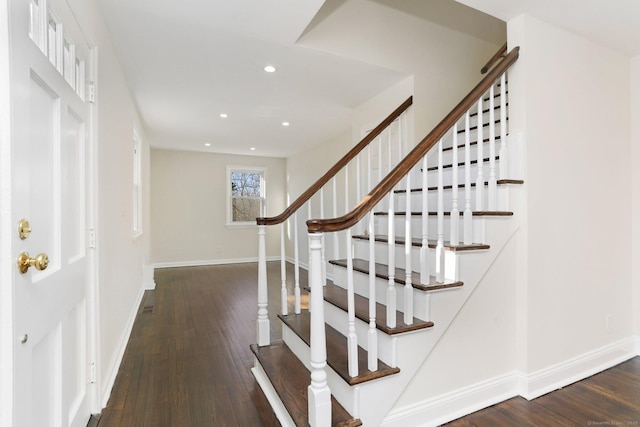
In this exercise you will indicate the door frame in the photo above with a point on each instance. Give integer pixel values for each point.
(7, 228)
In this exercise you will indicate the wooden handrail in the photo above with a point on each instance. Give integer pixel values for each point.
(403, 168)
(337, 167)
(499, 54)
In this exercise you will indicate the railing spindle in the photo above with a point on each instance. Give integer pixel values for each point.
(480, 163)
(455, 213)
(283, 274)
(372, 335)
(408, 284)
(324, 244)
(296, 260)
(424, 249)
(504, 161)
(440, 207)
(492, 150)
(263, 297)
(318, 391)
(336, 238)
(391, 246)
(468, 231)
(352, 338)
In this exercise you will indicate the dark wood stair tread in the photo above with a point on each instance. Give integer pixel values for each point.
(290, 378)
(473, 184)
(337, 350)
(337, 296)
(460, 164)
(417, 242)
(382, 271)
(484, 140)
(461, 129)
(475, 213)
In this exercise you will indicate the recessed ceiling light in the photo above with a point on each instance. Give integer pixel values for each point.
(270, 69)
(285, 123)
(224, 115)
(207, 144)
(253, 149)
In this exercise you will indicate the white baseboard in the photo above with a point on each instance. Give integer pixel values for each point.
(576, 369)
(209, 262)
(114, 365)
(464, 401)
(453, 405)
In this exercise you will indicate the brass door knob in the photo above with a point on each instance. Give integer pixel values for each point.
(40, 262)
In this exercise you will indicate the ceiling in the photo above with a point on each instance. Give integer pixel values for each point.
(188, 62)
(612, 23)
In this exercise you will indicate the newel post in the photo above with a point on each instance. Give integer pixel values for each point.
(318, 391)
(263, 297)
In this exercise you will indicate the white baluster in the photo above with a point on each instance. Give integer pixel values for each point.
(480, 163)
(318, 391)
(468, 231)
(372, 335)
(455, 213)
(424, 249)
(391, 288)
(408, 284)
(283, 275)
(369, 167)
(336, 238)
(352, 338)
(440, 207)
(504, 161)
(296, 288)
(263, 297)
(492, 151)
(324, 244)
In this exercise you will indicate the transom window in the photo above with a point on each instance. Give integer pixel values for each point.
(246, 189)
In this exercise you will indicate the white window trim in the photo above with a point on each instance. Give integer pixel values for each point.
(263, 187)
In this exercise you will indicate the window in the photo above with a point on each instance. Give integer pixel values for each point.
(246, 195)
(137, 191)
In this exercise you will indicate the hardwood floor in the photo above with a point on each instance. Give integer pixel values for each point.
(610, 398)
(187, 363)
(188, 358)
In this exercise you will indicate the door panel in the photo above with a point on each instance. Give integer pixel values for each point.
(50, 120)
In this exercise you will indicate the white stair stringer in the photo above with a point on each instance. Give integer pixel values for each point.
(372, 401)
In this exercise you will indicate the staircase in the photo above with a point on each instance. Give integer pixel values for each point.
(413, 250)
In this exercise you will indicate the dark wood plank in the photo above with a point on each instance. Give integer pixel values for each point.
(290, 379)
(417, 242)
(473, 184)
(382, 271)
(337, 350)
(611, 397)
(188, 360)
(338, 296)
(433, 213)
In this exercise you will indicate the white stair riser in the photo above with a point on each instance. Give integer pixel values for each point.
(502, 200)
(361, 287)
(381, 255)
(477, 225)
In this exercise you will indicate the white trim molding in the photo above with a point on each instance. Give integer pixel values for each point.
(210, 262)
(458, 403)
(114, 366)
(562, 374)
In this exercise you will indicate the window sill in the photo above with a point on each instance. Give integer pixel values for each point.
(136, 234)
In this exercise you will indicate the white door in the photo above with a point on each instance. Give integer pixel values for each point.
(50, 121)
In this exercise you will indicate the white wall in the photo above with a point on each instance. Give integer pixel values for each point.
(572, 105)
(445, 63)
(120, 256)
(635, 180)
(188, 205)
